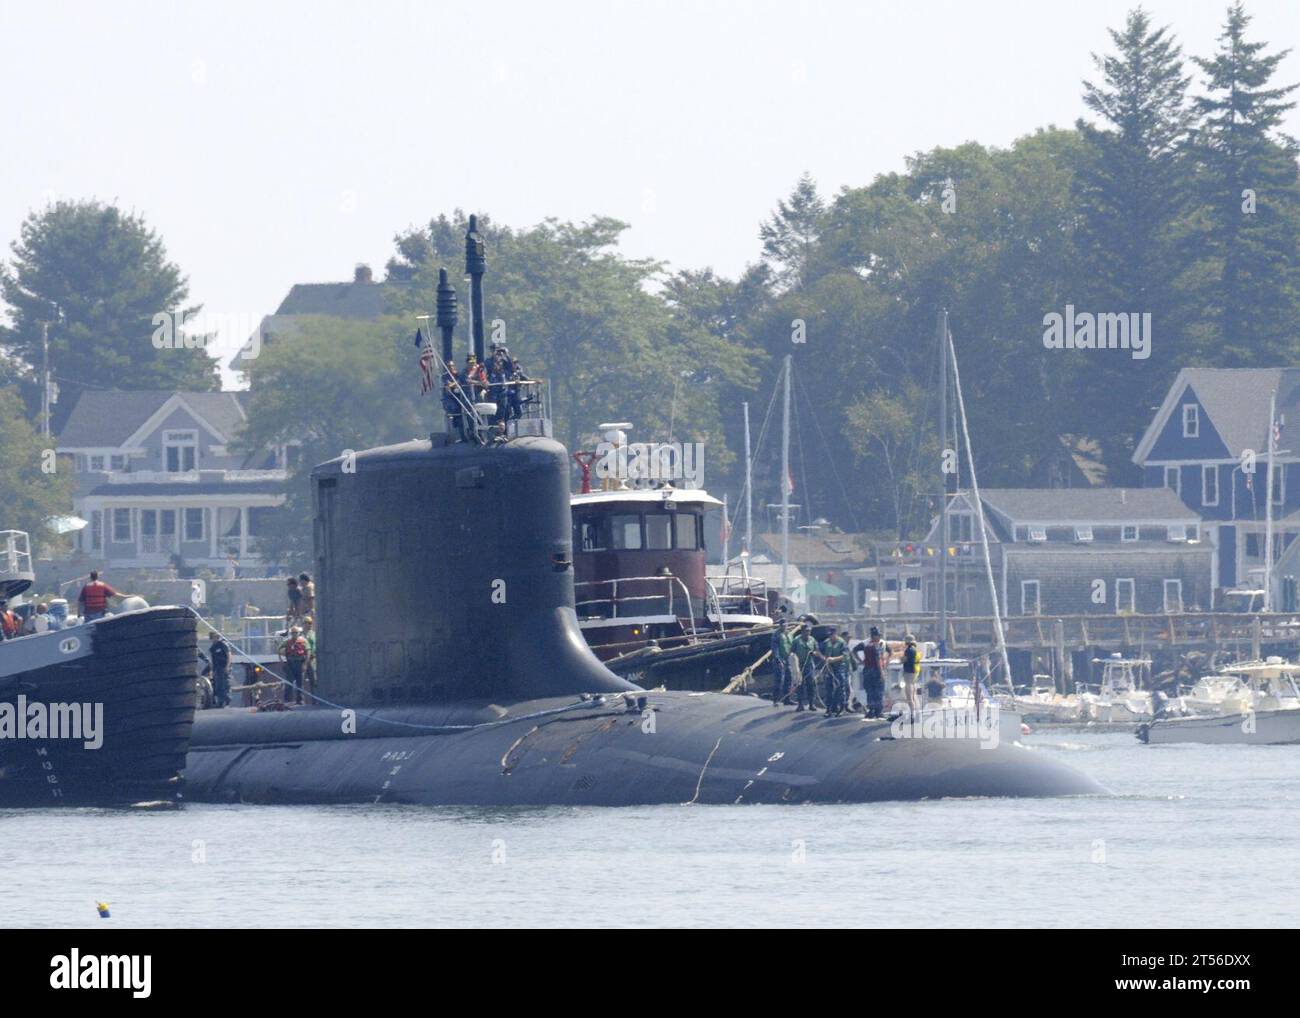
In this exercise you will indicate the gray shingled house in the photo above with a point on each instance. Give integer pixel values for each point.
(361, 298)
(1074, 551)
(157, 478)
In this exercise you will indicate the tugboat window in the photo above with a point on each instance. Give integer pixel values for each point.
(626, 533)
(687, 534)
(659, 531)
(588, 535)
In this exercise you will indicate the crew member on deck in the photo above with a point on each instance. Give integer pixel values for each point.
(498, 374)
(452, 398)
(911, 667)
(780, 664)
(219, 655)
(294, 653)
(874, 657)
(94, 598)
(835, 653)
(804, 648)
(475, 378)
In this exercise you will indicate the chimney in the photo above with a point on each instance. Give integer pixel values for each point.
(362, 274)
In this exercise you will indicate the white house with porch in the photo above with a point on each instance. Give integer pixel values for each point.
(159, 484)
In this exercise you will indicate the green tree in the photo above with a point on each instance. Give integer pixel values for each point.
(790, 235)
(333, 384)
(1134, 191)
(29, 492)
(100, 275)
(1251, 199)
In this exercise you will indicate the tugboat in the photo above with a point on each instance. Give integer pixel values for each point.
(485, 692)
(645, 602)
(93, 713)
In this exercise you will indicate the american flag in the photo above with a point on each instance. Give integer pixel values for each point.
(426, 363)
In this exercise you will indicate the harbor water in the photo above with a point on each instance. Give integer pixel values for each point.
(1192, 836)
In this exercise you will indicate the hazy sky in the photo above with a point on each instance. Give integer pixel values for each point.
(273, 143)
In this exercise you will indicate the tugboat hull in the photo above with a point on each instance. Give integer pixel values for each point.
(132, 676)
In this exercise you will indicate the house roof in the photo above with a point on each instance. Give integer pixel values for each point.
(824, 549)
(106, 418)
(343, 300)
(1236, 400)
(1087, 505)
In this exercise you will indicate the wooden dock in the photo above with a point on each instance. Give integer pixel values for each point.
(1179, 632)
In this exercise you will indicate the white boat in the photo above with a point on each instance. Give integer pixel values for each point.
(1207, 696)
(949, 700)
(1043, 703)
(1265, 711)
(1120, 696)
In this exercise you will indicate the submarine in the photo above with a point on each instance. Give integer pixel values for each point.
(452, 669)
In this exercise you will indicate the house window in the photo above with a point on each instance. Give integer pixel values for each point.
(116, 462)
(1128, 532)
(1037, 534)
(1191, 420)
(1177, 532)
(1173, 479)
(1252, 546)
(194, 525)
(1173, 595)
(1029, 603)
(96, 530)
(961, 528)
(180, 451)
(96, 463)
(122, 533)
(1125, 596)
(1279, 483)
(1083, 534)
(1209, 485)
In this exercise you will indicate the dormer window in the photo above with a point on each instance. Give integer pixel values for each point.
(1082, 534)
(1128, 532)
(1177, 532)
(1191, 420)
(1037, 534)
(180, 451)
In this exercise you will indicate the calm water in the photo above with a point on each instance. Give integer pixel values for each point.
(1194, 835)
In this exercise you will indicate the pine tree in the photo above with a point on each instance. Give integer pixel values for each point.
(790, 236)
(1251, 198)
(1134, 188)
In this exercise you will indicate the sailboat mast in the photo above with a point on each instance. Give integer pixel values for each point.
(998, 632)
(749, 487)
(785, 481)
(1268, 506)
(943, 497)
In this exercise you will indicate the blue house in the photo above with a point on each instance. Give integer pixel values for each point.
(1209, 442)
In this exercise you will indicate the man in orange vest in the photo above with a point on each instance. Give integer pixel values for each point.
(294, 653)
(94, 597)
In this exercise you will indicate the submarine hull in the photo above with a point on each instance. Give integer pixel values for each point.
(682, 748)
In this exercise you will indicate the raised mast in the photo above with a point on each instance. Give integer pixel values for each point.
(1268, 504)
(785, 482)
(749, 488)
(943, 497)
(999, 634)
